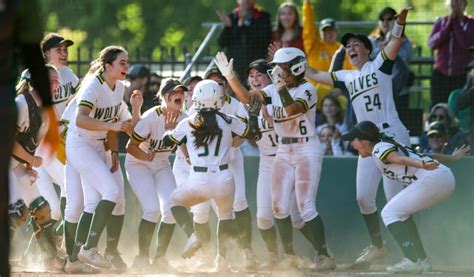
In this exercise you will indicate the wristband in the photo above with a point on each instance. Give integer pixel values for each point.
(230, 76)
(285, 97)
(398, 29)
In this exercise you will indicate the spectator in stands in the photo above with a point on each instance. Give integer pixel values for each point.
(463, 114)
(332, 145)
(155, 83)
(451, 37)
(246, 34)
(190, 83)
(288, 30)
(438, 139)
(138, 79)
(440, 112)
(332, 114)
(401, 72)
(466, 101)
(320, 46)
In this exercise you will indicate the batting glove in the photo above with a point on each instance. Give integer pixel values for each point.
(226, 67)
(276, 77)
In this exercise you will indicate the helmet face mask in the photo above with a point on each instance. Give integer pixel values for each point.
(208, 95)
(294, 57)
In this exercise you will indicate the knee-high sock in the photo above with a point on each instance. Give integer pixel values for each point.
(101, 216)
(114, 230)
(372, 222)
(81, 234)
(402, 234)
(60, 228)
(420, 250)
(286, 234)
(183, 218)
(224, 232)
(165, 232)
(313, 230)
(145, 235)
(269, 237)
(69, 236)
(203, 231)
(243, 221)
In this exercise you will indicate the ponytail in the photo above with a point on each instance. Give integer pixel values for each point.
(389, 139)
(205, 127)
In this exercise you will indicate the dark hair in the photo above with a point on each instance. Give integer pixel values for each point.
(205, 127)
(339, 115)
(26, 83)
(106, 56)
(279, 27)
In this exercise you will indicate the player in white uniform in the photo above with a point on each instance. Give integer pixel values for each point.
(55, 51)
(149, 173)
(370, 92)
(267, 145)
(23, 176)
(426, 181)
(298, 162)
(100, 109)
(208, 138)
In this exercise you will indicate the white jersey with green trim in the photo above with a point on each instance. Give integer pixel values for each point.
(297, 126)
(149, 132)
(402, 173)
(370, 90)
(216, 152)
(268, 144)
(106, 105)
(69, 82)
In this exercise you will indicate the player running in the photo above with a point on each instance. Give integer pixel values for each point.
(370, 92)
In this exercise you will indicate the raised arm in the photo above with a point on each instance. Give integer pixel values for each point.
(319, 76)
(397, 35)
(310, 33)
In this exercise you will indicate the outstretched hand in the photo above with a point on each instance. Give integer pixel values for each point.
(402, 16)
(225, 66)
(461, 152)
(431, 165)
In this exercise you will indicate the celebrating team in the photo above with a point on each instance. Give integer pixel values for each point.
(278, 112)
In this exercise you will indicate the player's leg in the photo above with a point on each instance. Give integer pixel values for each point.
(165, 184)
(367, 181)
(264, 208)
(224, 191)
(430, 188)
(282, 186)
(115, 222)
(143, 185)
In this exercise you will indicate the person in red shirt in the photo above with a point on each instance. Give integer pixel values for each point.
(451, 40)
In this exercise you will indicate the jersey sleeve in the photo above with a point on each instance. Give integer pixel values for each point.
(383, 63)
(89, 97)
(306, 95)
(241, 112)
(124, 113)
(268, 93)
(238, 127)
(23, 120)
(382, 149)
(141, 130)
(179, 133)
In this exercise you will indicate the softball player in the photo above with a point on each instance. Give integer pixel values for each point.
(267, 145)
(427, 183)
(208, 136)
(100, 109)
(370, 91)
(23, 176)
(243, 220)
(55, 51)
(150, 175)
(298, 161)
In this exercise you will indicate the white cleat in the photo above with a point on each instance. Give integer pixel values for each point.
(161, 265)
(371, 253)
(406, 266)
(93, 257)
(322, 262)
(272, 261)
(221, 264)
(192, 245)
(249, 258)
(426, 265)
(290, 261)
(79, 267)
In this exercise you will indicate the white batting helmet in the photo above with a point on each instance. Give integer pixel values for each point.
(292, 56)
(208, 94)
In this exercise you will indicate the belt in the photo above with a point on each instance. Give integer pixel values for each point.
(204, 168)
(293, 140)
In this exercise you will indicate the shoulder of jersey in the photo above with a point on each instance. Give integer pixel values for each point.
(227, 118)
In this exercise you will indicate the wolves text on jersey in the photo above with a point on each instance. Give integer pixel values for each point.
(107, 113)
(362, 84)
(158, 146)
(63, 93)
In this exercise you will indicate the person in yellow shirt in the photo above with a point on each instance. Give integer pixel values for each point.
(320, 48)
